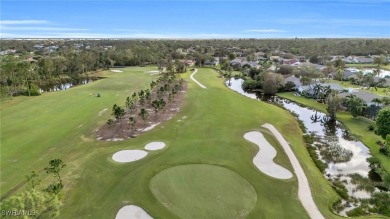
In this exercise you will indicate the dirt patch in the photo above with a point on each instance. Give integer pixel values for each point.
(121, 129)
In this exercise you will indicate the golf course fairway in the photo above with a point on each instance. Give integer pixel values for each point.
(207, 153)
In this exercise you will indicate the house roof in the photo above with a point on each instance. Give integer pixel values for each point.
(366, 96)
(293, 79)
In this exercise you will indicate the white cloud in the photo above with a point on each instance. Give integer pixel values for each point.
(265, 31)
(41, 28)
(18, 22)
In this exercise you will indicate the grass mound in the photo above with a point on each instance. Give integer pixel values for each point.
(204, 191)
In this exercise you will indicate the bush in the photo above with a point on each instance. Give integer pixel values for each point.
(356, 212)
(339, 187)
(33, 203)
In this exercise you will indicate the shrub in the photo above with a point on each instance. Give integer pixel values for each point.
(356, 212)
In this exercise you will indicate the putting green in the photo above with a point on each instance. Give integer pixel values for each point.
(204, 191)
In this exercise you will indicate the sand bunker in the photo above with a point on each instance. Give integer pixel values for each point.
(126, 156)
(153, 146)
(304, 192)
(264, 158)
(150, 127)
(192, 78)
(132, 212)
(116, 71)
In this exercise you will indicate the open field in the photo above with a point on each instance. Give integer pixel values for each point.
(208, 130)
(357, 126)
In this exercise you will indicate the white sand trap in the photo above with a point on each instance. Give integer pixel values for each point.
(264, 158)
(304, 192)
(153, 146)
(153, 72)
(126, 156)
(192, 78)
(150, 127)
(116, 70)
(132, 212)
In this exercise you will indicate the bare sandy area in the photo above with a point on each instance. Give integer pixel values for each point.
(192, 78)
(304, 192)
(114, 70)
(126, 156)
(264, 158)
(132, 212)
(153, 146)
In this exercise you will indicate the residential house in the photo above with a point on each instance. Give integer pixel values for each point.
(366, 96)
(294, 80)
(364, 60)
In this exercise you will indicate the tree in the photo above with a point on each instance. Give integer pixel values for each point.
(55, 168)
(118, 112)
(272, 83)
(355, 105)
(383, 122)
(379, 60)
(334, 104)
(285, 69)
(143, 114)
(339, 73)
(132, 122)
(156, 106)
(317, 90)
(33, 179)
(229, 74)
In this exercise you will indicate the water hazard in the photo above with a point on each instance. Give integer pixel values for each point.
(346, 158)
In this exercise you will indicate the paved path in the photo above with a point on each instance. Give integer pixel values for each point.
(304, 192)
(192, 78)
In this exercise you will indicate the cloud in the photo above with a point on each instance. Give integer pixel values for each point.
(265, 31)
(41, 28)
(18, 22)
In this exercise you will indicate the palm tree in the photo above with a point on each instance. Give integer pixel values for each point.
(317, 90)
(340, 73)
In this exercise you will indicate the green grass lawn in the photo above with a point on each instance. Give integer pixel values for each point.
(215, 192)
(384, 67)
(347, 84)
(58, 124)
(357, 126)
(61, 125)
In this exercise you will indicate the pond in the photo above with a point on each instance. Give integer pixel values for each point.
(65, 86)
(344, 156)
(382, 73)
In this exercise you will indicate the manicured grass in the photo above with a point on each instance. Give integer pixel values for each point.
(61, 125)
(215, 192)
(35, 130)
(212, 133)
(347, 84)
(384, 67)
(357, 126)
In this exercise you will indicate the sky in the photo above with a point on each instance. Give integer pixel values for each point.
(194, 19)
